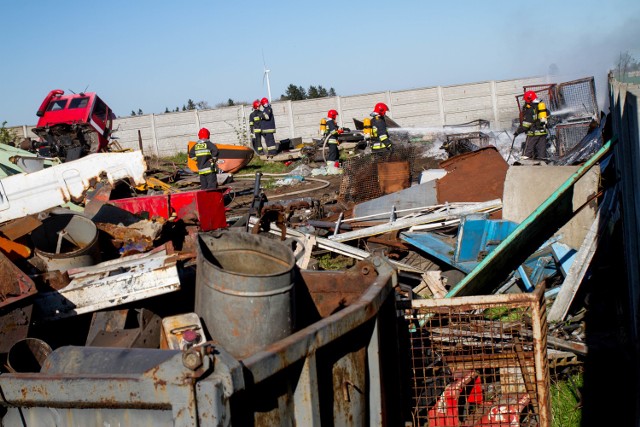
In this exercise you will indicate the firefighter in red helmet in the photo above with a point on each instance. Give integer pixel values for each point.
(255, 127)
(534, 123)
(268, 127)
(379, 133)
(205, 154)
(332, 130)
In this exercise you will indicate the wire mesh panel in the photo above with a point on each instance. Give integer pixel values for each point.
(570, 134)
(479, 361)
(360, 175)
(459, 143)
(579, 96)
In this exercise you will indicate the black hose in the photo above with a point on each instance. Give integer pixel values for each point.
(511, 149)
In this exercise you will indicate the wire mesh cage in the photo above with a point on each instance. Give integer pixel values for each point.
(460, 143)
(479, 361)
(579, 96)
(568, 135)
(361, 176)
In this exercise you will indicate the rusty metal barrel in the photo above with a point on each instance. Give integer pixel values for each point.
(28, 355)
(66, 241)
(244, 289)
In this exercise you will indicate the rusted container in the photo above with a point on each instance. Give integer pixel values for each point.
(243, 290)
(66, 241)
(28, 355)
(340, 368)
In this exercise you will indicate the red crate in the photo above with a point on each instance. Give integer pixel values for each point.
(204, 206)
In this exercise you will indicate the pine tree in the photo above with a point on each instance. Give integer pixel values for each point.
(140, 111)
(133, 113)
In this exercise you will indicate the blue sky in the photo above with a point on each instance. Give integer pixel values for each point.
(154, 54)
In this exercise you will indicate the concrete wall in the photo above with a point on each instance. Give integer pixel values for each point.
(167, 134)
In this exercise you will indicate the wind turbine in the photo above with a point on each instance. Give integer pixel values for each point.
(266, 75)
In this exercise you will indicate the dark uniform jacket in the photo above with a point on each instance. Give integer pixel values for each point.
(255, 121)
(379, 133)
(205, 153)
(268, 122)
(332, 130)
(534, 119)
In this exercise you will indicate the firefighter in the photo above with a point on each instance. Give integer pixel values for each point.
(380, 141)
(332, 130)
(268, 127)
(205, 154)
(534, 123)
(255, 127)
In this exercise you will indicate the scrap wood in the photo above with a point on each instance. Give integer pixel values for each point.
(433, 279)
(582, 259)
(437, 216)
(17, 228)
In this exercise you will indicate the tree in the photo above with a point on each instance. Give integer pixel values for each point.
(332, 92)
(133, 113)
(177, 109)
(626, 63)
(166, 109)
(6, 136)
(140, 111)
(184, 108)
(230, 103)
(313, 92)
(322, 92)
(202, 105)
(191, 105)
(294, 93)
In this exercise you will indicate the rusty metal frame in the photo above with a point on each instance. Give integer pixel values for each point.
(518, 343)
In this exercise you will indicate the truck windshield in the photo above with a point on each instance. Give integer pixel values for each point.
(57, 105)
(79, 103)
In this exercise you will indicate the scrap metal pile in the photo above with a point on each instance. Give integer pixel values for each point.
(460, 296)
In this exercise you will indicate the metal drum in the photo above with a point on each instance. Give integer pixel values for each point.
(244, 288)
(28, 355)
(66, 241)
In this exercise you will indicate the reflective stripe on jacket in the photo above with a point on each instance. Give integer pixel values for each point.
(254, 121)
(268, 122)
(205, 154)
(379, 133)
(534, 118)
(332, 130)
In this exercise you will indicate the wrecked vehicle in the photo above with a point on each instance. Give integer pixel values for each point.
(73, 125)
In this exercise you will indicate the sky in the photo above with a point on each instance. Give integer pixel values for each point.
(152, 55)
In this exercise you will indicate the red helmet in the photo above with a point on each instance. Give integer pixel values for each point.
(204, 133)
(529, 96)
(332, 114)
(380, 108)
(264, 101)
(256, 104)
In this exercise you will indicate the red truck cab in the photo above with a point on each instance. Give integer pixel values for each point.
(74, 125)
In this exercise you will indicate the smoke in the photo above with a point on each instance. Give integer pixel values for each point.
(594, 55)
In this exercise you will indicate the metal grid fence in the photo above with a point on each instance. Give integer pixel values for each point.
(479, 361)
(360, 178)
(580, 97)
(568, 135)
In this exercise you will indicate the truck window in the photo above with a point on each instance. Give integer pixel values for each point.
(57, 105)
(100, 110)
(79, 103)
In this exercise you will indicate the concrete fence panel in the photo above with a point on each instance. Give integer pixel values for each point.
(167, 134)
